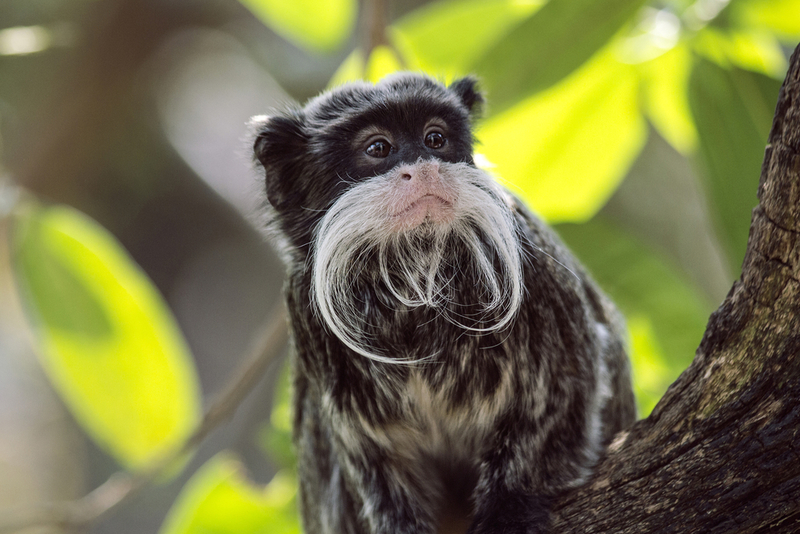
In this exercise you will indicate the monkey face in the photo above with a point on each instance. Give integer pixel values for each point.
(359, 131)
(376, 189)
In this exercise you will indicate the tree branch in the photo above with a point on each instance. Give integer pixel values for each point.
(720, 452)
(374, 22)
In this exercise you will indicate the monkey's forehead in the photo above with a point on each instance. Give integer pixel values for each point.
(398, 95)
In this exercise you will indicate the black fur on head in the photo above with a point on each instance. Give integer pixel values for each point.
(311, 155)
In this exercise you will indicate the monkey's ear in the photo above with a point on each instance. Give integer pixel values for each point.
(467, 90)
(280, 145)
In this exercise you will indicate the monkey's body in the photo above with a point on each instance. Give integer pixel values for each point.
(484, 375)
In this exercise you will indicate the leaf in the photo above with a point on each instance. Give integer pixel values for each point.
(757, 51)
(351, 69)
(445, 37)
(566, 149)
(220, 500)
(381, 62)
(666, 97)
(779, 16)
(318, 25)
(276, 436)
(548, 46)
(651, 374)
(733, 113)
(106, 339)
(666, 318)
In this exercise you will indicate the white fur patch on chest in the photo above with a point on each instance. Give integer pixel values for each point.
(437, 428)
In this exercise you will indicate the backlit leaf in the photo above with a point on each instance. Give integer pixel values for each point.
(321, 25)
(566, 149)
(220, 500)
(276, 435)
(106, 339)
(444, 38)
(548, 46)
(381, 62)
(666, 92)
(733, 112)
(351, 69)
(779, 16)
(757, 51)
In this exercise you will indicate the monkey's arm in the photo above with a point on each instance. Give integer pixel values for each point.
(529, 462)
(395, 496)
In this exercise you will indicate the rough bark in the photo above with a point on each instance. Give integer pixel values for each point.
(721, 452)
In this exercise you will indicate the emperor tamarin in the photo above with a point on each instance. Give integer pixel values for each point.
(451, 358)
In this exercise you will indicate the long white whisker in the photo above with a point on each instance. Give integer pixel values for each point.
(477, 254)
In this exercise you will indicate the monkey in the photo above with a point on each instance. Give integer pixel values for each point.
(453, 363)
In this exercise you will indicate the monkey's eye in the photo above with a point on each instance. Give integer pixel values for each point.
(379, 148)
(435, 140)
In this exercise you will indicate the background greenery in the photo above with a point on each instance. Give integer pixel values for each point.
(636, 128)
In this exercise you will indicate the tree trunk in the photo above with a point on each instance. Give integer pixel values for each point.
(720, 452)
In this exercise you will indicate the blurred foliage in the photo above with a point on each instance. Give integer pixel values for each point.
(733, 111)
(218, 499)
(666, 317)
(320, 25)
(574, 88)
(107, 340)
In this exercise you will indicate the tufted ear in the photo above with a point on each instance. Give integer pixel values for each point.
(467, 90)
(281, 147)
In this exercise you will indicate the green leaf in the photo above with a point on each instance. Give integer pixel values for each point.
(779, 16)
(546, 47)
(733, 112)
(276, 435)
(566, 149)
(651, 374)
(106, 339)
(318, 25)
(757, 51)
(351, 70)
(220, 500)
(381, 62)
(666, 97)
(445, 37)
(666, 318)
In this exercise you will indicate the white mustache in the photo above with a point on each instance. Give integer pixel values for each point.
(412, 260)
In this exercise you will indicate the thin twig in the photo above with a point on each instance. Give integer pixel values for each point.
(122, 486)
(374, 22)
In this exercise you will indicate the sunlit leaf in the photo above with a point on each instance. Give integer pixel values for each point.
(382, 62)
(445, 37)
(321, 25)
(106, 338)
(220, 500)
(666, 92)
(651, 374)
(779, 16)
(351, 69)
(666, 317)
(757, 51)
(733, 111)
(566, 149)
(548, 46)
(276, 436)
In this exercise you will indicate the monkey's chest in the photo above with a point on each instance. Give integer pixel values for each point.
(449, 418)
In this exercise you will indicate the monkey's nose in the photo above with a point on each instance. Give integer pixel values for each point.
(421, 171)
